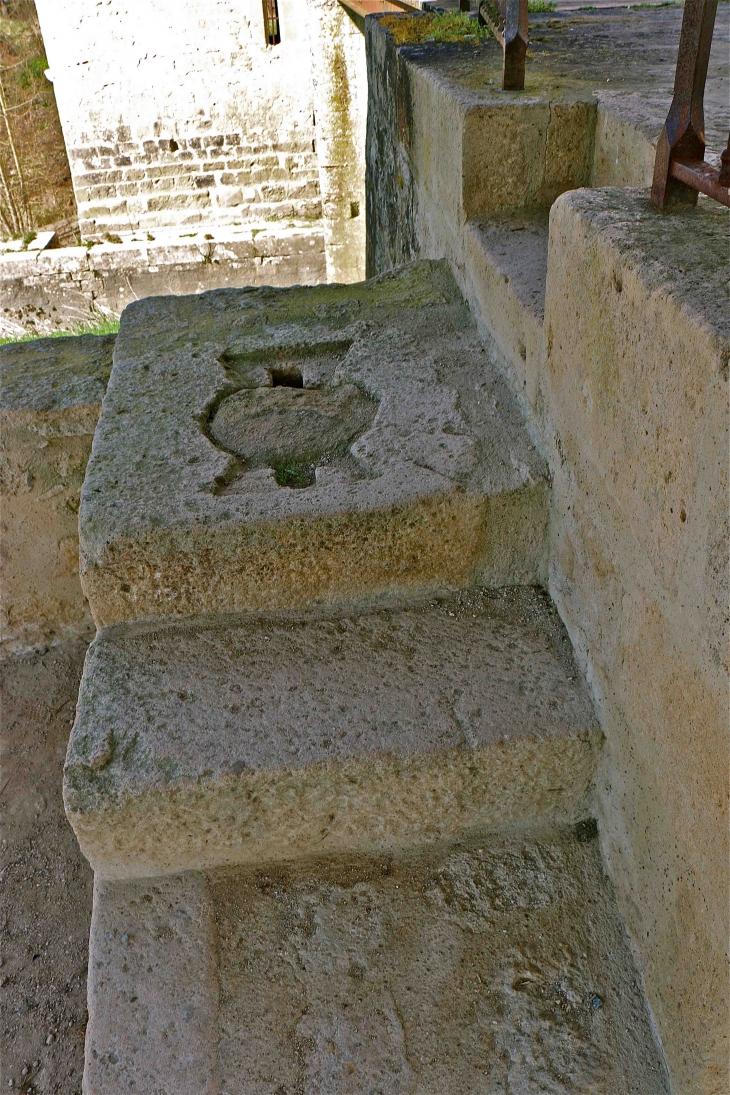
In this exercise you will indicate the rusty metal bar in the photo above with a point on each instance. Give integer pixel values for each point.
(680, 171)
(360, 9)
(724, 179)
(507, 19)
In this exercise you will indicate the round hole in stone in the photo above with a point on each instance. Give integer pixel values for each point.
(289, 428)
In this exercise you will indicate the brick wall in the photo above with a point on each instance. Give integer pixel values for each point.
(177, 112)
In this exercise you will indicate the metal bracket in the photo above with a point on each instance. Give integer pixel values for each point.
(680, 170)
(507, 19)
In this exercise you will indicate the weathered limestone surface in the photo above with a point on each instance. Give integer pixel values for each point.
(262, 740)
(339, 81)
(58, 289)
(153, 989)
(445, 145)
(635, 391)
(494, 965)
(443, 488)
(50, 400)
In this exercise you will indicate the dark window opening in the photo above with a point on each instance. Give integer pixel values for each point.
(271, 22)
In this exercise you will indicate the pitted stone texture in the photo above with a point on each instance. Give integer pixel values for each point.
(495, 966)
(636, 391)
(50, 400)
(196, 747)
(152, 989)
(444, 488)
(55, 374)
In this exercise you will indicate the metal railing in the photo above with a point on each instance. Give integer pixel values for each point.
(507, 19)
(680, 170)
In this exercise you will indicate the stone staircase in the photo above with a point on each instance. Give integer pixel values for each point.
(332, 756)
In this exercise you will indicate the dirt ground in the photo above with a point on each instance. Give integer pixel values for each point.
(45, 883)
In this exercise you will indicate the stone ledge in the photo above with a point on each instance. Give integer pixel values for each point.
(57, 290)
(195, 747)
(505, 264)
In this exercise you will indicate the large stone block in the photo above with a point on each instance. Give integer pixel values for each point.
(253, 741)
(428, 481)
(637, 331)
(446, 145)
(495, 964)
(50, 400)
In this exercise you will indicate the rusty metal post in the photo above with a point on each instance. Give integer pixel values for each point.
(508, 20)
(683, 136)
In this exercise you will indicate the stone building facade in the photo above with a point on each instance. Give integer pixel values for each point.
(178, 113)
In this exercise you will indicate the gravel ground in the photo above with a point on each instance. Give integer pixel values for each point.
(45, 883)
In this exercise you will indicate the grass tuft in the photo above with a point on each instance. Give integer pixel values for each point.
(105, 325)
(451, 26)
(295, 476)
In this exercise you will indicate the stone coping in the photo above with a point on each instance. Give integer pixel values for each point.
(53, 374)
(623, 59)
(684, 255)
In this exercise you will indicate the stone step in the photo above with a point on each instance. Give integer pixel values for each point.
(492, 965)
(271, 738)
(269, 448)
(506, 266)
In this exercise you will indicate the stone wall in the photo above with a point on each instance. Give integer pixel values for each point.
(181, 112)
(633, 402)
(50, 401)
(340, 100)
(614, 337)
(61, 289)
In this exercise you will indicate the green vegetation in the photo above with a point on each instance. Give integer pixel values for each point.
(537, 7)
(295, 476)
(451, 26)
(455, 26)
(104, 325)
(31, 71)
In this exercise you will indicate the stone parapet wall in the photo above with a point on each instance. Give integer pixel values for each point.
(613, 335)
(59, 290)
(634, 391)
